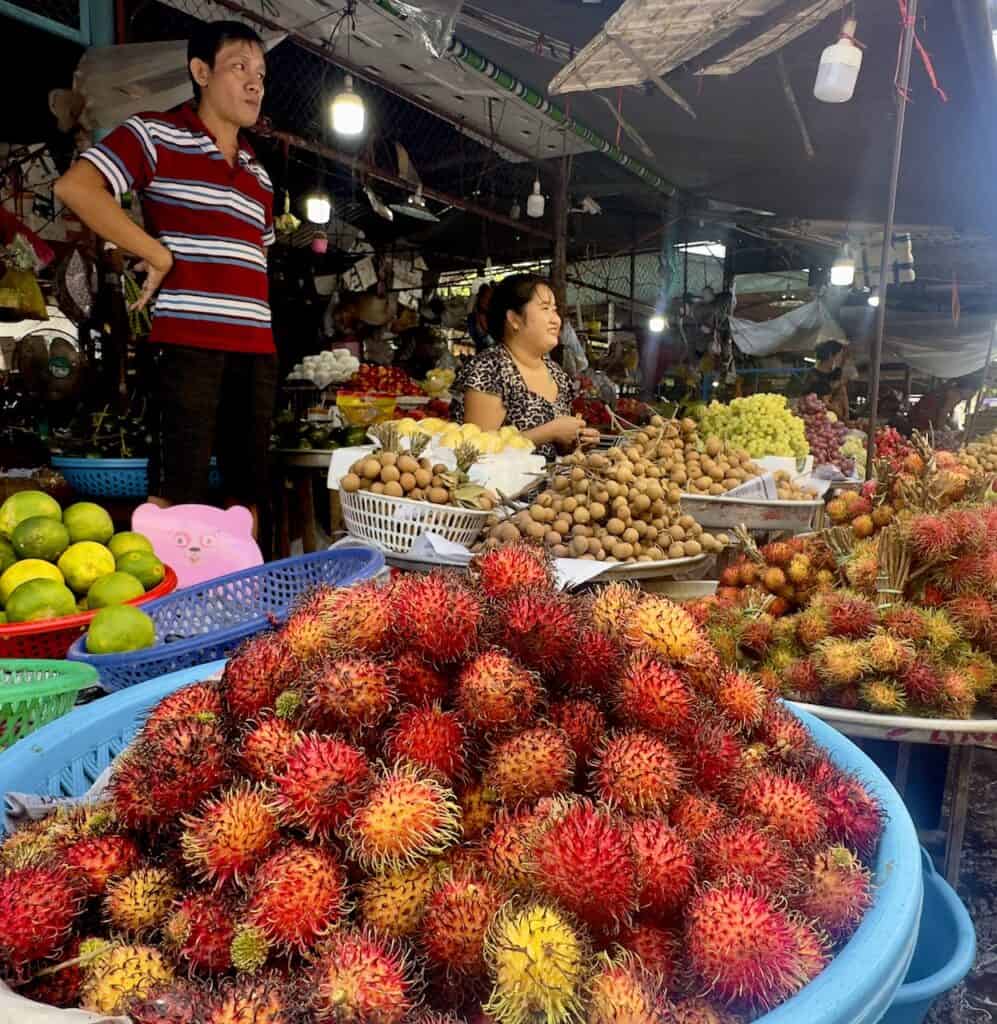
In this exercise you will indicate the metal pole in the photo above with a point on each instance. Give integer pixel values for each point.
(559, 261)
(876, 356)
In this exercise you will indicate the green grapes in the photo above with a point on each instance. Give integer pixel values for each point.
(761, 424)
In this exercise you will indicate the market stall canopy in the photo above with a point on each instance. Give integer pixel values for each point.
(800, 330)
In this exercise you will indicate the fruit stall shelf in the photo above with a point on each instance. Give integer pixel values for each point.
(52, 638)
(64, 759)
(723, 513)
(963, 736)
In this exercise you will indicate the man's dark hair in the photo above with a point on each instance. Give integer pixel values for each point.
(828, 350)
(209, 37)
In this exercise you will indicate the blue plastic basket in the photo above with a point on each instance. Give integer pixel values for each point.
(115, 478)
(208, 621)
(946, 949)
(105, 478)
(63, 759)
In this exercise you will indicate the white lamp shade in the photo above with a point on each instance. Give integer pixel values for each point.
(318, 209)
(348, 113)
(535, 201)
(843, 272)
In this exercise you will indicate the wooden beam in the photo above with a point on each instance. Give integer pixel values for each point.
(355, 163)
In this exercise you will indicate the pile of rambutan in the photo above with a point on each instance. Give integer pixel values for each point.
(454, 799)
(859, 644)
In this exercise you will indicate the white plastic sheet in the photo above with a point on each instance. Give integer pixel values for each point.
(800, 330)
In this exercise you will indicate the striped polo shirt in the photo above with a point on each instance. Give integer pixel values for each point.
(216, 219)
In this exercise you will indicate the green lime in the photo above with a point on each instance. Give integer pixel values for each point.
(24, 505)
(21, 572)
(121, 543)
(8, 556)
(87, 521)
(83, 563)
(120, 628)
(40, 537)
(40, 599)
(114, 588)
(145, 567)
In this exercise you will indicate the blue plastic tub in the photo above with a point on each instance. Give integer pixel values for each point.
(945, 951)
(208, 621)
(114, 478)
(64, 758)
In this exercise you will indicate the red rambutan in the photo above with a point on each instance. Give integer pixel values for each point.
(583, 723)
(666, 866)
(651, 695)
(406, 817)
(703, 669)
(296, 895)
(755, 636)
(749, 851)
(787, 804)
(812, 953)
(582, 858)
(417, 681)
(437, 616)
(778, 553)
(922, 683)
(801, 682)
(200, 930)
(360, 977)
(531, 764)
(903, 621)
(958, 694)
(457, 918)
(932, 537)
(230, 834)
(621, 991)
(495, 692)
(97, 860)
(360, 616)
(196, 700)
(849, 615)
(505, 848)
(266, 748)
(742, 946)
(349, 694)
(713, 753)
(38, 906)
(539, 628)
(594, 663)
(262, 999)
(786, 735)
(695, 814)
(506, 571)
(696, 1010)
(636, 771)
(662, 627)
(431, 739)
(323, 782)
(837, 891)
(657, 948)
(256, 675)
(974, 613)
(741, 699)
(853, 816)
(60, 988)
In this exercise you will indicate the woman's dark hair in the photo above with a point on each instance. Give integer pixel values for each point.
(511, 293)
(828, 350)
(209, 37)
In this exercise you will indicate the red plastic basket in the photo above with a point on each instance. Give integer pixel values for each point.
(51, 638)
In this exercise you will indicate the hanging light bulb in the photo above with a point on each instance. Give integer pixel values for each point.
(873, 299)
(515, 210)
(843, 270)
(657, 324)
(839, 66)
(348, 112)
(318, 207)
(535, 202)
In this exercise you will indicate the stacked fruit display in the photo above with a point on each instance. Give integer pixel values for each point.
(906, 623)
(894, 448)
(762, 424)
(401, 472)
(980, 456)
(788, 489)
(385, 380)
(56, 562)
(786, 572)
(594, 411)
(443, 802)
(825, 434)
(452, 435)
(861, 511)
(622, 505)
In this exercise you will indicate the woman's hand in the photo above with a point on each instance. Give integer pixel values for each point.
(589, 437)
(565, 430)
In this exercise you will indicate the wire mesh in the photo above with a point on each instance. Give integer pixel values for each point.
(65, 12)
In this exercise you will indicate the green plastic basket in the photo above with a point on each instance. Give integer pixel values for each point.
(34, 692)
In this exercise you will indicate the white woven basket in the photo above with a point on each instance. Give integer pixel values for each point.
(395, 524)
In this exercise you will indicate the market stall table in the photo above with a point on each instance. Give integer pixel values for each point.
(963, 736)
(298, 469)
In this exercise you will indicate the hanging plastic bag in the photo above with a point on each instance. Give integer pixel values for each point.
(434, 20)
(575, 361)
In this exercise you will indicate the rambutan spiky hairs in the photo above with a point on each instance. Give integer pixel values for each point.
(437, 616)
(296, 895)
(38, 905)
(637, 772)
(360, 617)
(405, 818)
(658, 948)
(199, 931)
(119, 974)
(495, 693)
(349, 694)
(458, 915)
(359, 976)
(539, 964)
(505, 848)
(432, 739)
(743, 945)
(787, 804)
(261, 999)
(662, 627)
(852, 814)
(540, 628)
(201, 700)
(96, 860)
(530, 764)
(836, 891)
(750, 851)
(230, 835)
(138, 903)
(651, 695)
(266, 747)
(623, 991)
(610, 609)
(394, 903)
(505, 571)
(582, 858)
(666, 866)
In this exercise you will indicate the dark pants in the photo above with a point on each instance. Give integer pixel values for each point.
(212, 403)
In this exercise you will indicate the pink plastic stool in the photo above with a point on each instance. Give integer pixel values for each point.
(199, 542)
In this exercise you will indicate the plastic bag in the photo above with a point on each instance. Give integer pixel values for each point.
(575, 360)
(607, 391)
(434, 20)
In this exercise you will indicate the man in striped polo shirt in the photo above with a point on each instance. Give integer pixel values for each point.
(207, 206)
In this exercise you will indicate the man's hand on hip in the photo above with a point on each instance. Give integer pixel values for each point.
(155, 271)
